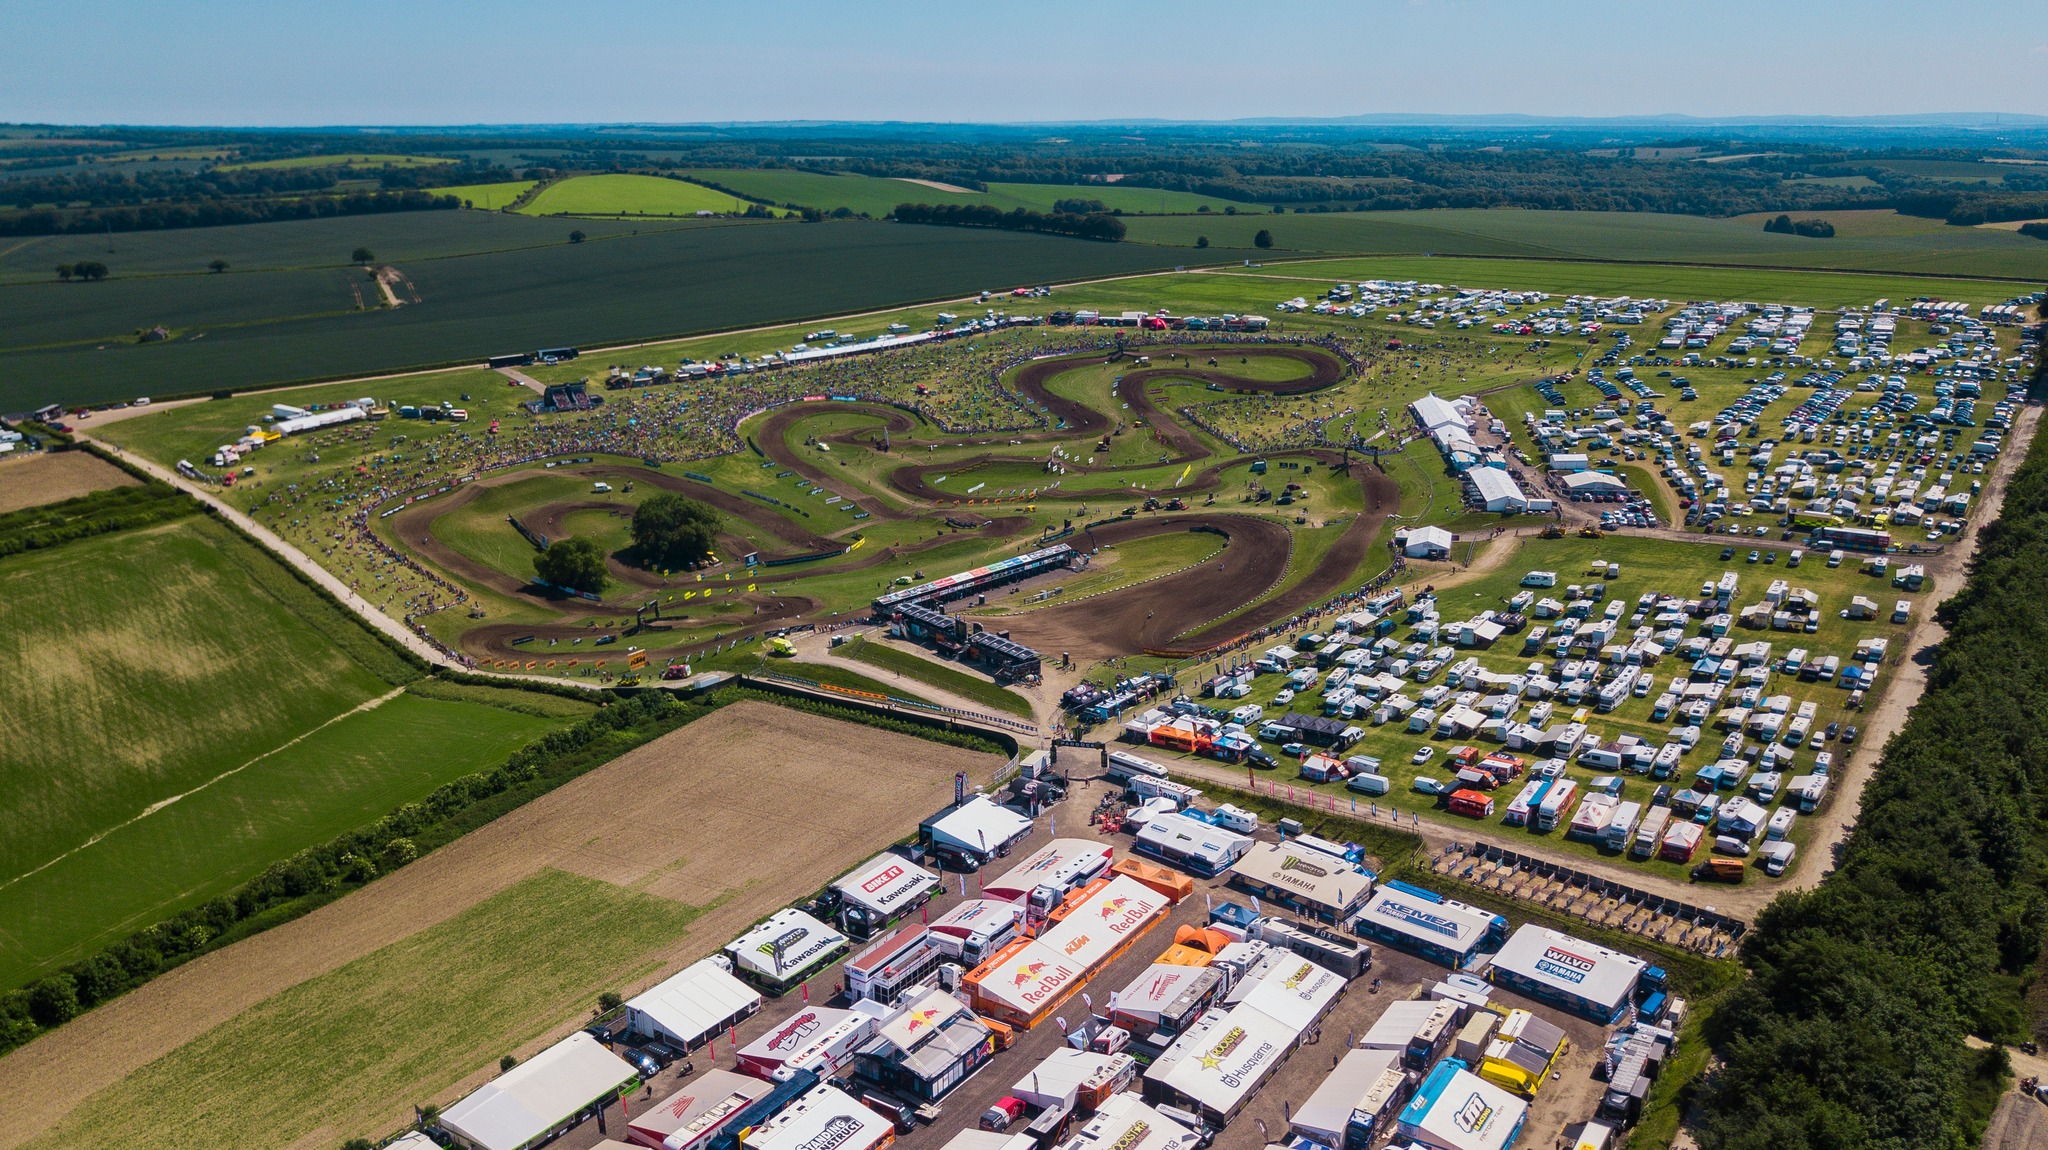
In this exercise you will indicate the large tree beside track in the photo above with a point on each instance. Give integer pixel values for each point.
(577, 564)
(672, 531)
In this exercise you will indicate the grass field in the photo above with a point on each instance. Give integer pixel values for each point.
(918, 669)
(346, 160)
(419, 1013)
(199, 661)
(669, 279)
(878, 197)
(489, 197)
(1626, 236)
(619, 194)
(1828, 289)
(335, 779)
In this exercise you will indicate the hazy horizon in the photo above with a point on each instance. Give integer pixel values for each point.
(236, 63)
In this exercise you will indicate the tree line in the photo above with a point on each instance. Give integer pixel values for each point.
(1095, 226)
(215, 213)
(1850, 1032)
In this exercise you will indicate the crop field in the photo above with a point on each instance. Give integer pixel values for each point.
(487, 197)
(613, 288)
(620, 194)
(497, 943)
(204, 663)
(878, 197)
(52, 476)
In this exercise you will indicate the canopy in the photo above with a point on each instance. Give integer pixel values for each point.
(692, 1004)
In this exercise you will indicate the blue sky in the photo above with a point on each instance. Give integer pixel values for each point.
(244, 62)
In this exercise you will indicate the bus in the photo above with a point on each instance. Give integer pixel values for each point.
(1474, 804)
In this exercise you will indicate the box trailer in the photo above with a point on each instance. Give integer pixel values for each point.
(885, 970)
(977, 928)
(1062, 863)
(1650, 832)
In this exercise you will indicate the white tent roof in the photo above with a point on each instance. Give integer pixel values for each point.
(1427, 537)
(694, 1001)
(979, 824)
(1056, 862)
(535, 1096)
(824, 1119)
(1551, 958)
(1593, 481)
(803, 941)
(886, 884)
(1222, 1059)
(1312, 877)
(1433, 412)
(1493, 483)
(1456, 1109)
(1447, 923)
(1065, 1071)
(1043, 969)
(1295, 992)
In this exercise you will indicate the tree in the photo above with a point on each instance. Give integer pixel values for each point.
(576, 237)
(358, 1144)
(1201, 241)
(577, 564)
(89, 270)
(53, 1001)
(217, 266)
(64, 272)
(1263, 240)
(363, 255)
(671, 531)
(506, 1063)
(609, 1001)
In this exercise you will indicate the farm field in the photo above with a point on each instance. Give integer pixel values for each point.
(506, 935)
(349, 159)
(203, 663)
(620, 194)
(487, 197)
(48, 477)
(1623, 236)
(876, 196)
(626, 287)
(396, 237)
(212, 838)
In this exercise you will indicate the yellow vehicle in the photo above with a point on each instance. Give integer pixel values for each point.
(781, 647)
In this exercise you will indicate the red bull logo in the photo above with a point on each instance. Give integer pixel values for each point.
(1111, 906)
(920, 1018)
(1027, 972)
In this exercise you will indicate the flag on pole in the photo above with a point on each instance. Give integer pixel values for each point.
(807, 992)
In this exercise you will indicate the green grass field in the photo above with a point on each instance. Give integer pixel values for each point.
(418, 1015)
(163, 674)
(346, 160)
(620, 194)
(1623, 236)
(337, 778)
(966, 684)
(1672, 281)
(489, 197)
(878, 197)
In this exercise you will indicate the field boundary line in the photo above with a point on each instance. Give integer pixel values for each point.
(160, 804)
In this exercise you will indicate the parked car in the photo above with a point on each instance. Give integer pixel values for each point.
(1849, 734)
(1422, 755)
(1428, 786)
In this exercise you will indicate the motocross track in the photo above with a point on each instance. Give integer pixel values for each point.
(1196, 610)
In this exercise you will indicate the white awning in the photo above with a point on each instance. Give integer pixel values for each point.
(692, 1003)
(539, 1094)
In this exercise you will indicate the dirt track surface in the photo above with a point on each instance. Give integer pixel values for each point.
(868, 787)
(50, 476)
(1151, 614)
